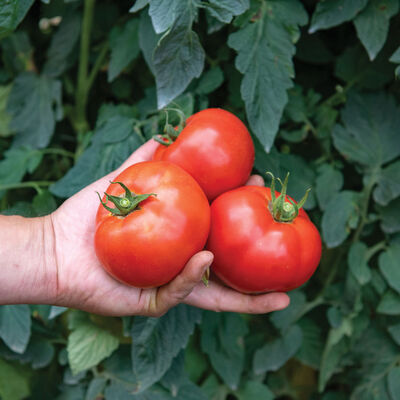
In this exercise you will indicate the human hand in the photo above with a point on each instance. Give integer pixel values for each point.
(82, 282)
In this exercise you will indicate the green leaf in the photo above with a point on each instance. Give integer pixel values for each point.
(124, 45)
(148, 40)
(393, 380)
(178, 57)
(5, 117)
(44, 203)
(329, 13)
(274, 354)
(35, 106)
(395, 58)
(11, 14)
(14, 384)
(394, 331)
(265, 49)
(312, 346)
(95, 388)
(163, 13)
(88, 344)
(372, 24)
(388, 187)
(389, 266)
(210, 81)
(336, 218)
(63, 43)
(328, 183)
(157, 341)
(16, 164)
(368, 135)
(389, 304)
(222, 338)
(357, 261)
(139, 4)
(390, 217)
(112, 143)
(15, 326)
(225, 10)
(254, 390)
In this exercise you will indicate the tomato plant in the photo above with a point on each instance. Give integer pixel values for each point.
(262, 242)
(160, 219)
(215, 148)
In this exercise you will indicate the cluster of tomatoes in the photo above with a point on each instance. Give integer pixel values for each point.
(261, 239)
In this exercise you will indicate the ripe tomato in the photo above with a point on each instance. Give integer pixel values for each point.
(215, 148)
(151, 244)
(253, 252)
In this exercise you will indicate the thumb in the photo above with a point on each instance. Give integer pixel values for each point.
(178, 289)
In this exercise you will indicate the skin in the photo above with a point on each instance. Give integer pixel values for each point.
(51, 260)
(262, 255)
(159, 237)
(215, 148)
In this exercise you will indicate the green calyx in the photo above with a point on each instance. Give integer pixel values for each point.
(282, 208)
(125, 204)
(170, 133)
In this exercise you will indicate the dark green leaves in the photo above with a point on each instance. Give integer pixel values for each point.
(223, 340)
(35, 106)
(329, 13)
(389, 266)
(124, 45)
(357, 260)
(265, 50)
(369, 134)
(225, 10)
(15, 326)
(178, 57)
(388, 184)
(157, 341)
(12, 12)
(13, 383)
(372, 24)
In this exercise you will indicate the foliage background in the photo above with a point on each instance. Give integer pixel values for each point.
(80, 86)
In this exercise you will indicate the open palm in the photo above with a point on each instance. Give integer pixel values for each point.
(82, 282)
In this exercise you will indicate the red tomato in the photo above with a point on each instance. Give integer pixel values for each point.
(215, 148)
(150, 246)
(254, 253)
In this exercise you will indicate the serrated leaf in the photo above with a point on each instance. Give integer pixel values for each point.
(157, 341)
(357, 261)
(148, 40)
(163, 13)
(265, 49)
(312, 346)
(124, 45)
(88, 344)
(35, 106)
(16, 164)
(388, 187)
(222, 338)
(389, 304)
(14, 384)
(63, 43)
(369, 134)
(11, 14)
(274, 355)
(372, 24)
(329, 13)
(178, 57)
(328, 183)
(15, 326)
(112, 143)
(254, 390)
(225, 10)
(389, 266)
(335, 220)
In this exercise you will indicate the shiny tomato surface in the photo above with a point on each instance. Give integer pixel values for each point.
(252, 252)
(150, 246)
(215, 147)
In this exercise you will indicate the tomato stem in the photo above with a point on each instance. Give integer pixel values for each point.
(125, 204)
(284, 209)
(171, 133)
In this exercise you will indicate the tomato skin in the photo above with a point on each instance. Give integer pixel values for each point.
(252, 252)
(150, 246)
(216, 148)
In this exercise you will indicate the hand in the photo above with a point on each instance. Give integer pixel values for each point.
(82, 283)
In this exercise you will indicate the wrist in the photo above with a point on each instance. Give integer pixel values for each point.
(28, 268)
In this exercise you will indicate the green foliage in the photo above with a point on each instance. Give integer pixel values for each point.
(317, 84)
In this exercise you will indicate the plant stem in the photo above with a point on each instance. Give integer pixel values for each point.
(81, 123)
(97, 65)
(32, 184)
(375, 249)
(60, 152)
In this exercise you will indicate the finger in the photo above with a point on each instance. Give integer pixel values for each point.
(220, 298)
(177, 290)
(256, 180)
